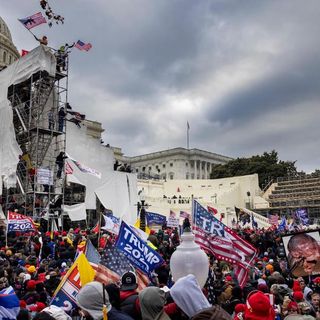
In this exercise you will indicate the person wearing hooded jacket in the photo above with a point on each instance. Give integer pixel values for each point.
(189, 297)
(91, 301)
(152, 301)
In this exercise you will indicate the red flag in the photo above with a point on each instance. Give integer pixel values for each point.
(68, 168)
(24, 52)
(96, 228)
(212, 210)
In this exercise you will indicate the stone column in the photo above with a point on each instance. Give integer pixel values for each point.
(195, 168)
(205, 170)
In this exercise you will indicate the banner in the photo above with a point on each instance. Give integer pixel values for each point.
(137, 251)
(85, 169)
(76, 212)
(173, 222)
(45, 176)
(19, 222)
(155, 218)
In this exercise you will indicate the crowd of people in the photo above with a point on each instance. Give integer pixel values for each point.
(34, 264)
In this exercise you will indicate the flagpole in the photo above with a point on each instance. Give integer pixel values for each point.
(7, 230)
(188, 128)
(99, 232)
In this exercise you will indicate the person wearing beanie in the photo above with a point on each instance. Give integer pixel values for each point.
(298, 296)
(258, 307)
(152, 301)
(239, 311)
(91, 300)
(31, 269)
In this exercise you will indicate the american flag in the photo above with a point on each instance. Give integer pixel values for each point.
(218, 239)
(273, 219)
(33, 21)
(83, 46)
(112, 265)
(68, 168)
(184, 215)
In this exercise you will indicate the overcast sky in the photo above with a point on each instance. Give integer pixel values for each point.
(245, 74)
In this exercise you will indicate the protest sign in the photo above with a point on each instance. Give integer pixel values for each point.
(136, 250)
(303, 253)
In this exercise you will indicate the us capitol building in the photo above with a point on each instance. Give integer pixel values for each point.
(8, 51)
(173, 164)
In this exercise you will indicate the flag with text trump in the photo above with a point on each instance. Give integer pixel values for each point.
(80, 273)
(218, 239)
(137, 250)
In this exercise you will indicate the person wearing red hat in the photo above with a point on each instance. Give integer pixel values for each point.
(239, 311)
(298, 296)
(258, 307)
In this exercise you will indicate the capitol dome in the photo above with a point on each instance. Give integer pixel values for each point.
(8, 51)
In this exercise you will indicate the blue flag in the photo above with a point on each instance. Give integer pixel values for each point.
(254, 222)
(283, 224)
(302, 215)
(155, 218)
(9, 304)
(137, 251)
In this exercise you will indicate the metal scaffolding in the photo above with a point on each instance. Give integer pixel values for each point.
(40, 133)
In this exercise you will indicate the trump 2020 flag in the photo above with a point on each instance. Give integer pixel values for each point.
(19, 222)
(137, 251)
(77, 276)
(33, 21)
(9, 304)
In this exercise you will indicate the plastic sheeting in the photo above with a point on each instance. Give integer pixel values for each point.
(89, 152)
(116, 190)
(76, 212)
(39, 59)
(119, 194)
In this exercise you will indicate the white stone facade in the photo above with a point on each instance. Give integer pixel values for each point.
(8, 51)
(222, 194)
(177, 163)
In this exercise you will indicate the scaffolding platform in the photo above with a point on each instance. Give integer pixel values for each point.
(36, 95)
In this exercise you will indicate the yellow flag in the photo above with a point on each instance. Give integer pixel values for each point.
(137, 225)
(85, 270)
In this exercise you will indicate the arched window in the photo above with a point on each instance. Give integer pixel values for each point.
(10, 59)
(4, 57)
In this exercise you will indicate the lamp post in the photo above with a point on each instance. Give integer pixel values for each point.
(189, 259)
(141, 208)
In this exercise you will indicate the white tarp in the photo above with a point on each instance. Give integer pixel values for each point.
(119, 194)
(76, 212)
(38, 59)
(90, 152)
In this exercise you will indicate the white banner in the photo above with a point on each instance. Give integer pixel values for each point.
(45, 176)
(76, 212)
